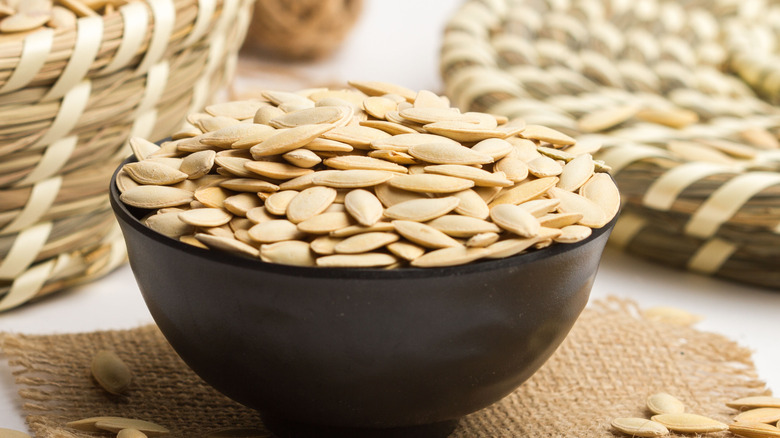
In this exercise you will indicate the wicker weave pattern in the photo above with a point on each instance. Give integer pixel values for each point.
(68, 103)
(702, 195)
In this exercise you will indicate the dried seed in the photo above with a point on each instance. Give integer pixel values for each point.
(234, 165)
(357, 136)
(378, 106)
(227, 244)
(325, 145)
(124, 182)
(525, 191)
(424, 235)
(671, 315)
(428, 183)
(482, 240)
(239, 109)
(432, 115)
(325, 223)
(191, 240)
(449, 257)
(240, 204)
(689, 423)
(365, 260)
(347, 162)
(277, 203)
(390, 195)
(389, 127)
(639, 427)
(205, 217)
(755, 402)
(110, 372)
(311, 116)
(456, 225)
(274, 170)
(275, 230)
(559, 220)
(422, 210)
(556, 154)
(496, 148)
(299, 183)
(365, 242)
(515, 220)
(142, 148)
(543, 133)
(576, 172)
(402, 142)
(130, 433)
(358, 229)
(211, 124)
(155, 197)
(198, 164)
(393, 157)
(260, 214)
(603, 192)
(265, 114)
(168, 224)
(324, 245)
(251, 185)
(309, 203)
(151, 172)
(288, 140)
(509, 247)
(480, 177)
(226, 137)
(540, 207)
(467, 132)
(240, 223)
(544, 166)
(606, 119)
(447, 153)
(573, 234)
(373, 88)
(427, 99)
(290, 252)
(115, 424)
(302, 158)
(213, 197)
(355, 178)
(663, 403)
(592, 215)
(405, 250)
(514, 169)
(754, 430)
(759, 415)
(363, 206)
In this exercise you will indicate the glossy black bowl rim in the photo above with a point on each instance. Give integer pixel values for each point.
(123, 214)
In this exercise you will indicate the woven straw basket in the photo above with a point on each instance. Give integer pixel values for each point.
(679, 95)
(69, 101)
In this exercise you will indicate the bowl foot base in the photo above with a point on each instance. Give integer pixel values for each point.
(287, 429)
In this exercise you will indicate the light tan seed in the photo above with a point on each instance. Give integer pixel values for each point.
(389, 127)
(354, 178)
(761, 401)
(603, 192)
(359, 137)
(389, 195)
(168, 224)
(471, 204)
(606, 119)
(428, 99)
(131, 433)
(754, 430)
(456, 225)
(482, 240)
(480, 177)
(358, 229)
(280, 97)
(325, 145)
(205, 217)
(576, 172)
(671, 315)
(274, 170)
(275, 230)
(524, 149)
(142, 148)
(664, 403)
(325, 223)
(299, 183)
(288, 140)
(573, 234)
(115, 424)
(220, 231)
(211, 124)
(124, 182)
(302, 158)
(525, 191)
(592, 214)
(226, 137)
(540, 207)
(238, 109)
(309, 203)
(324, 245)
(290, 252)
(234, 165)
(213, 197)
(347, 162)
(365, 242)
(111, 372)
(759, 415)
(9, 433)
(364, 206)
(514, 169)
(261, 133)
(405, 250)
(240, 223)
(509, 247)
(428, 183)
(494, 147)
(265, 114)
(374, 88)
(673, 117)
(277, 203)
(378, 106)
(251, 185)
(62, 18)
(311, 116)
(641, 427)
(393, 157)
(260, 214)
(191, 240)
(424, 235)
(515, 220)
(689, 423)
(556, 154)
(432, 115)
(241, 203)
(402, 142)
(544, 166)
(447, 153)
(559, 220)
(155, 197)
(365, 260)
(543, 133)
(227, 244)
(151, 172)
(467, 132)
(422, 210)
(458, 255)
(197, 164)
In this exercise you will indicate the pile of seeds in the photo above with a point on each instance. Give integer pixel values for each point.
(18, 16)
(755, 420)
(377, 176)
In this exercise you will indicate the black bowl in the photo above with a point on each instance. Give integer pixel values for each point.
(360, 352)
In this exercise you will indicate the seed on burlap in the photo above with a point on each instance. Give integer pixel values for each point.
(452, 256)
(325, 223)
(429, 183)
(524, 191)
(762, 401)
(111, 372)
(759, 415)
(447, 153)
(641, 427)
(205, 217)
(754, 430)
(364, 206)
(515, 220)
(405, 250)
(365, 260)
(423, 234)
(131, 433)
(664, 403)
(275, 230)
(227, 244)
(289, 252)
(689, 423)
(151, 172)
(422, 210)
(115, 424)
(365, 242)
(155, 197)
(309, 203)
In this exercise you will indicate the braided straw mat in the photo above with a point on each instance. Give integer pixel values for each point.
(679, 94)
(611, 361)
(69, 100)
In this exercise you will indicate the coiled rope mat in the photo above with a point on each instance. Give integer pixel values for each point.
(69, 100)
(612, 359)
(679, 94)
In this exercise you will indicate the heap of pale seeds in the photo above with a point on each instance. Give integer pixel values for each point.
(759, 417)
(21, 16)
(376, 176)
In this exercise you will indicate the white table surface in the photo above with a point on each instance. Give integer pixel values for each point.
(398, 41)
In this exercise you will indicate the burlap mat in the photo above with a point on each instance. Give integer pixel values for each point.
(610, 362)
